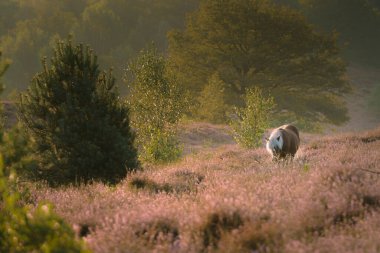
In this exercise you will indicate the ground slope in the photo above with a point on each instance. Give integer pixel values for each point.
(365, 82)
(226, 199)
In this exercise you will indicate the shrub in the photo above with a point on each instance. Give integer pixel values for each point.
(162, 147)
(26, 230)
(212, 106)
(150, 185)
(262, 237)
(80, 126)
(253, 119)
(158, 231)
(218, 223)
(157, 103)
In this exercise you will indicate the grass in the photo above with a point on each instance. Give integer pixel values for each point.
(228, 199)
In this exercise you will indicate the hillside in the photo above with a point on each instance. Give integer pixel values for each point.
(221, 198)
(365, 82)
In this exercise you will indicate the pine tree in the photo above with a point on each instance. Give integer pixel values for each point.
(80, 126)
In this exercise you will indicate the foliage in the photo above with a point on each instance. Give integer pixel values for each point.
(253, 119)
(17, 149)
(80, 127)
(212, 105)
(25, 230)
(162, 147)
(3, 67)
(29, 28)
(256, 43)
(285, 117)
(157, 103)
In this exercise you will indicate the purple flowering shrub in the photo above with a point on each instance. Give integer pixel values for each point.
(228, 199)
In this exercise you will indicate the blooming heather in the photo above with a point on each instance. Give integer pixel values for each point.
(227, 199)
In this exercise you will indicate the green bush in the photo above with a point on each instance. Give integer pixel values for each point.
(253, 119)
(25, 230)
(157, 103)
(80, 126)
(163, 147)
(212, 106)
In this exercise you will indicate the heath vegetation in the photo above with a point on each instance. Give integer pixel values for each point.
(164, 152)
(228, 199)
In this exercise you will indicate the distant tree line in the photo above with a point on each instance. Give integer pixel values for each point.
(116, 29)
(217, 49)
(119, 29)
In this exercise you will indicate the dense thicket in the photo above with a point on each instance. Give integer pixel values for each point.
(79, 124)
(255, 43)
(116, 29)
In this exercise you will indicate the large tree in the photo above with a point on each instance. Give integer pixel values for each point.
(80, 126)
(257, 43)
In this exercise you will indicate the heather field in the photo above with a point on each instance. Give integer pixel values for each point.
(222, 198)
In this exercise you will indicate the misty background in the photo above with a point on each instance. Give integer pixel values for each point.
(118, 30)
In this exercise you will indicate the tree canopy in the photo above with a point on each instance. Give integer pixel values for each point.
(257, 43)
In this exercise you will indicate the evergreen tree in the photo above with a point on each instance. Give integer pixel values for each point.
(79, 124)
